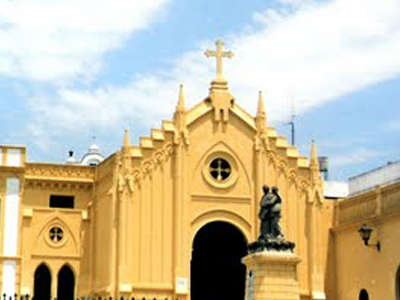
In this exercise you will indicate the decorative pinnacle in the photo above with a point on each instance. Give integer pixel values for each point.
(260, 107)
(181, 107)
(219, 54)
(126, 138)
(314, 156)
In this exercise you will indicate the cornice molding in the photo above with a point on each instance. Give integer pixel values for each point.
(57, 184)
(63, 172)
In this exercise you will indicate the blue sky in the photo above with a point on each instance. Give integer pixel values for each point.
(69, 72)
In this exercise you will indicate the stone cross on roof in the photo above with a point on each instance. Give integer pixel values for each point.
(219, 54)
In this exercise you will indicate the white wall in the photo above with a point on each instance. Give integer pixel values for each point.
(384, 175)
(336, 189)
(10, 235)
(14, 158)
(11, 215)
(9, 272)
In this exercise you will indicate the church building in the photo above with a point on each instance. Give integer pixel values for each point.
(172, 217)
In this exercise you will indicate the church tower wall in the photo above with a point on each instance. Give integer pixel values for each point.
(101, 255)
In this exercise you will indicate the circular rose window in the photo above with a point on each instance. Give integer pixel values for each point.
(56, 234)
(220, 169)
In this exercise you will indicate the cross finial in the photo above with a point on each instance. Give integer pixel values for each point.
(219, 54)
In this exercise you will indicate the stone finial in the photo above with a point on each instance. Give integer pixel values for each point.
(126, 138)
(260, 106)
(261, 116)
(181, 106)
(313, 156)
(316, 179)
(261, 124)
(180, 111)
(181, 132)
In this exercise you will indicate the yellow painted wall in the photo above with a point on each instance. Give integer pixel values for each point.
(37, 183)
(360, 267)
(102, 231)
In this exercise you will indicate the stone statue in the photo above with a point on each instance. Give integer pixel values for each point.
(270, 214)
(271, 236)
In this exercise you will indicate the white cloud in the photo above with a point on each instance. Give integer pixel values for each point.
(145, 101)
(295, 3)
(64, 40)
(355, 157)
(316, 52)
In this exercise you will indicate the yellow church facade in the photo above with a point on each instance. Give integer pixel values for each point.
(170, 217)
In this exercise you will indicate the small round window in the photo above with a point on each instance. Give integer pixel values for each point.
(220, 169)
(56, 234)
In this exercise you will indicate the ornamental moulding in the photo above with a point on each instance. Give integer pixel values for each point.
(56, 185)
(158, 158)
(181, 135)
(261, 143)
(128, 178)
(283, 167)
(293, 177)
(59, 171)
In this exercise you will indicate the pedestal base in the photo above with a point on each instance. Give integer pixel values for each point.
(272, 275)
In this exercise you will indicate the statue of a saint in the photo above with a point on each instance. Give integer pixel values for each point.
(270, 214)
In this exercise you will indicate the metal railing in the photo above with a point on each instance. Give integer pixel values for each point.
(29, 297)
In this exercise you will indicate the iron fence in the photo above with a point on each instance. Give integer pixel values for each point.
(29, 297)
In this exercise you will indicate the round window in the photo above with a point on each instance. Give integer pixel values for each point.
(56, 234)
(220, 169)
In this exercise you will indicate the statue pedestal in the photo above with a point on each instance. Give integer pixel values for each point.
(272, 275)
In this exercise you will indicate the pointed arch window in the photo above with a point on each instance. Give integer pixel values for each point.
(65, 284)
(42, 283)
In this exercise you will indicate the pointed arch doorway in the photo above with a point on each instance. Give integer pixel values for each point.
(216, 269)
(42, 283)
(65, 284)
